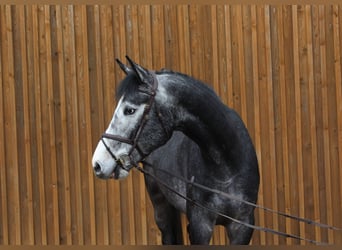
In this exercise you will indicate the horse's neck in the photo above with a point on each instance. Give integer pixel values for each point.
(202, 117)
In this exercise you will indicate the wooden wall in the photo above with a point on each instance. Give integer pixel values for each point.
(278, 66)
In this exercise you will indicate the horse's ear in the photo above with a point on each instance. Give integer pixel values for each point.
(143, 74)
(124, 67)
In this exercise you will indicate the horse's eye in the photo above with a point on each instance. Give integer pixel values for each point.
(129, 111)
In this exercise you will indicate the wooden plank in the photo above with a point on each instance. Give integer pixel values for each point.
(228, 31)
(290, 82)
(10, 122)
(221, 87)
(332, 107)
(271, 119)
(85, 120)
(45, 173)
(241, 63)
(298, 115)
(325, 115)
(333, 120)
(318, 115)
(312, 109)
(337, 63)
(38, 109)
(172, 37)
(32, 115)
(4, 227)
(99, 116)
(28, 234)
(73, 117)
(235, 90)
(305, 117)
(275, 31)
(158, 36)
(206, 60)
(63, 122)
(52, 142)
(184, 38)
(284, 127)
(195, 43)
(248, 68)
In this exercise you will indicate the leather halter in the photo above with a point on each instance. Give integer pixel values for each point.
(125, 160)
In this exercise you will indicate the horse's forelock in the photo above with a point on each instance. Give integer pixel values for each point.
(130, 84)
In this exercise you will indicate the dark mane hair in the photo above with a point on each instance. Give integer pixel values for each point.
(128, 84)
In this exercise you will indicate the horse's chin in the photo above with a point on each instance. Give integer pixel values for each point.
(119, 173)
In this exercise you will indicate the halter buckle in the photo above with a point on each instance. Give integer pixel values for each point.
(124, 161)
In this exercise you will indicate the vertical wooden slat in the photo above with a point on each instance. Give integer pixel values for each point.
(73, 116)
(338, 78)
(9, 102)
(228, 37)
(333, 120)
(194, 42)
(325, 108)
(28, 200)
(32, 81)
(214, 38)
(312, 108)
(184, 35)
(63, 122)
(52, 143)
(44, 173)
(81, 51)
(221, 85)
(271, 118)
(284, 127)
(39, 129)
(158, 36)
(241, 63)
(171, 37)
(3, 179)
(324, 102)
(298, 115)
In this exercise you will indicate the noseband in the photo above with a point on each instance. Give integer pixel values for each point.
(125, 160)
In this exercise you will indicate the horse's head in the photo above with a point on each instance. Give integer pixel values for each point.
(137, 126)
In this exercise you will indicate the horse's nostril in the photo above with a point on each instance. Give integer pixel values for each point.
(97, 168)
